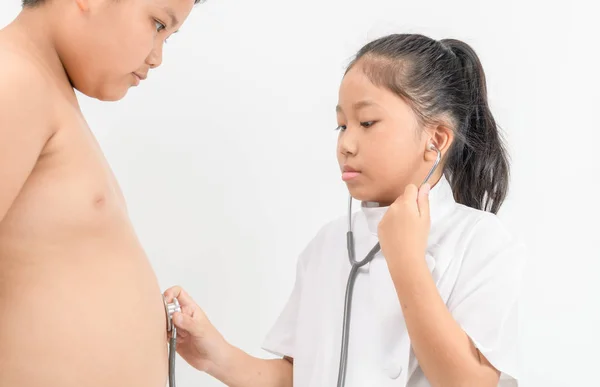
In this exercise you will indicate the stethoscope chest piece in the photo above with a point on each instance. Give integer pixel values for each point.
(170, 309)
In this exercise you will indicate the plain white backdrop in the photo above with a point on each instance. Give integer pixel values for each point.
(226, 155)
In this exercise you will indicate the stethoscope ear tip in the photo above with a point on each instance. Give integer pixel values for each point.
(433, 147)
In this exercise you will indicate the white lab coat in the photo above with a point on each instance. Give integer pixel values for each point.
(474, 261)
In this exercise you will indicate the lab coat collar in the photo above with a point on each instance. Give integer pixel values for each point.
(441, 200)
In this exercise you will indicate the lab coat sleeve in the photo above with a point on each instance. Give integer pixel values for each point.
(280, 340)
(484, 301)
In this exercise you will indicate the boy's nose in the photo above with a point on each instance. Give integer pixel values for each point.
(155, 58)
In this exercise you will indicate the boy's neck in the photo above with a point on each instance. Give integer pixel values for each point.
(32, 31)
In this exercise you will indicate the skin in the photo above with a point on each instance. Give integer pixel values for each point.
(79, 301)
(381, 139)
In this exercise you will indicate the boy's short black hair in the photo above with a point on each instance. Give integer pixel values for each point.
(33, 3)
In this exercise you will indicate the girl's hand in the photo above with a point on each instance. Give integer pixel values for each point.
(198, 341)
(404, 229)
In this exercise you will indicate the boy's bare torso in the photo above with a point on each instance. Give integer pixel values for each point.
(79, 302)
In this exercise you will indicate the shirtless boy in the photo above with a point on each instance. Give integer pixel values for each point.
(79, 302)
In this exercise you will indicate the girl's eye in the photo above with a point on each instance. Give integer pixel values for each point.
(159, 26)
(341, 128)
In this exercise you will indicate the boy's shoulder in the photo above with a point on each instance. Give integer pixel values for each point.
(21, 76)
(17, 67)
(23, 81)
(27, 99)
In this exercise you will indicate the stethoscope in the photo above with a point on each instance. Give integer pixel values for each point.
(171, 308)
(353, 272)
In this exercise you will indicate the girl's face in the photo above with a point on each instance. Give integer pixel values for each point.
(108, 46)
(381, 146)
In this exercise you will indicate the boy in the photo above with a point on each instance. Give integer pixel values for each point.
(79, 301)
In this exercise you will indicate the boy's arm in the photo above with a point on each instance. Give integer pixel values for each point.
(25, 125)
(238, 369)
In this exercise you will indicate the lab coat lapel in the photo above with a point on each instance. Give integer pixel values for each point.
(393, 335)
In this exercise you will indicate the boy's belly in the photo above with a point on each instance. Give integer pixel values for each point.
(90, 314)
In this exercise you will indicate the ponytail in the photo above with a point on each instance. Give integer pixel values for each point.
(446, 79)
(479, 167)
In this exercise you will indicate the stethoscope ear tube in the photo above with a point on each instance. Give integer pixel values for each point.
(352, 277)
(435, 164)
(171, 308)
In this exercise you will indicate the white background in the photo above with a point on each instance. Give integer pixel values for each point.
(226, 155)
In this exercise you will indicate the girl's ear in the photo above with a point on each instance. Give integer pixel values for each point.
(440, 136)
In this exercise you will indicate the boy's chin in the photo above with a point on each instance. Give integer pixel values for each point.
(111, 95)
(105, 94)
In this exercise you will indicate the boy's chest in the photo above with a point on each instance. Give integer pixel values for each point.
(70, 190)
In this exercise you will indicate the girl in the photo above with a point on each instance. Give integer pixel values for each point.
(437, 306)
